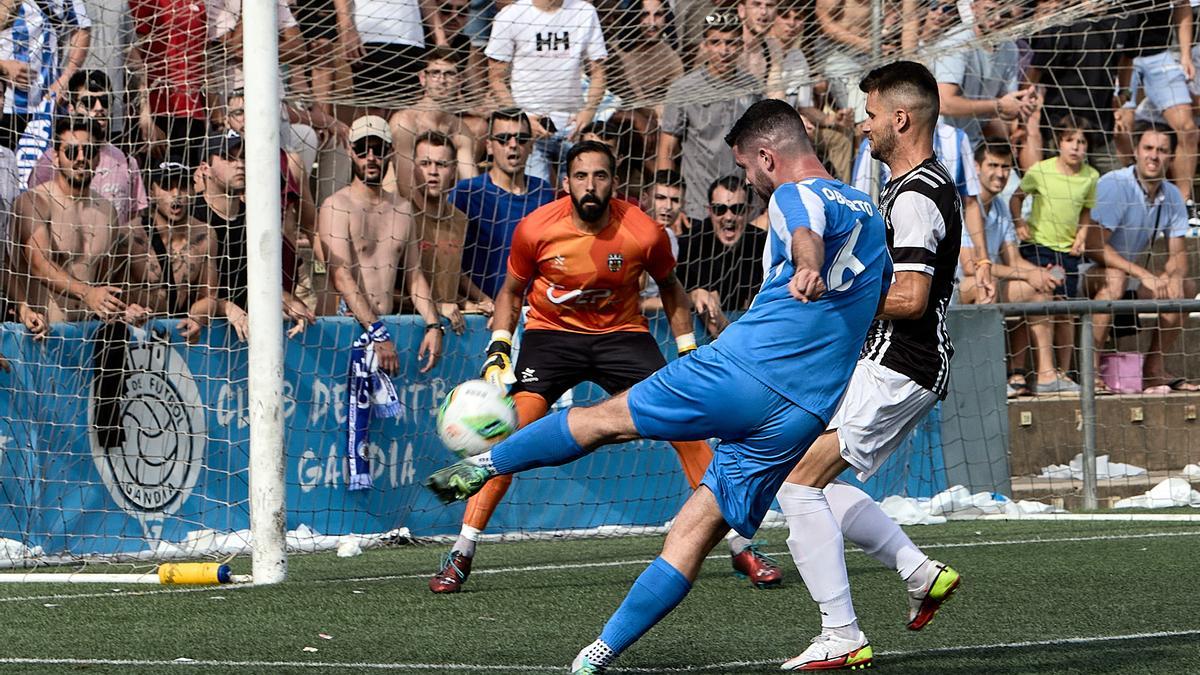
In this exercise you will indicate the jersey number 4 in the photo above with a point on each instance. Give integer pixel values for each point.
(845, 262)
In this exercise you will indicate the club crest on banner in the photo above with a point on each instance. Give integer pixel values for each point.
(147, 426)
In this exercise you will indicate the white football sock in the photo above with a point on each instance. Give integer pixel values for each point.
(736, 542)
(468, 537)
(865, 524)
(816, 546)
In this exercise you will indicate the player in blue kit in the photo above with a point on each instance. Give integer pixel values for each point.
(767, 387)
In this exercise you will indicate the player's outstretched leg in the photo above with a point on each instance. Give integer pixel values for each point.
(697, 529)
(930, 583)
(456, 565)
(550, 441)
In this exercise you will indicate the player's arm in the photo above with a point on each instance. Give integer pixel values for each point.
(679, 312)
(808, 251)
(918, 228)
(34, 232)
(497, 367)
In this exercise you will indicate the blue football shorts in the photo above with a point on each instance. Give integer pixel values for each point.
(762, 434)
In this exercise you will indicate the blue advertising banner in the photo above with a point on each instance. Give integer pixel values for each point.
(110, 441)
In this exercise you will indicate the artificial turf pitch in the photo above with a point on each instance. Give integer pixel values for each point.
(1037, 597)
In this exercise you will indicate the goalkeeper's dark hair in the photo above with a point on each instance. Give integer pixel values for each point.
(584, 147)
(769, 123)
(510, 115)
(1143, 128)
(994, 146)
(908, 84)
(731, 183)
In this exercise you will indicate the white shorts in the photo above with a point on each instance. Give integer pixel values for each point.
(880, 409)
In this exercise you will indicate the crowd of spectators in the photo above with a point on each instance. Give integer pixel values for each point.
(416, 134)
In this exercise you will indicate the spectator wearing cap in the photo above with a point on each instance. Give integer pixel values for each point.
(368, 239)
(186, 253)
(720, 261)
(702, 106)
(537, 51)
(117, 176)
(221, 206)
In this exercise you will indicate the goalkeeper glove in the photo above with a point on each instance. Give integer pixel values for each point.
(497, 369)
(685, 344)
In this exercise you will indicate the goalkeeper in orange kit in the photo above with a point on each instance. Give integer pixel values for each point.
(578, 262)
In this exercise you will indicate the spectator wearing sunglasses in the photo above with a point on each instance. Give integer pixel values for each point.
(68, 234)
(117, 176)
(720, 262)
(702, 106)
(495, 202)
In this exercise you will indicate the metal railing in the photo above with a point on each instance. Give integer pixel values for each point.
(1084, 309)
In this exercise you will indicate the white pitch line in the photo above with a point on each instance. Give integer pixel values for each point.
(960, 649)
(576, 566)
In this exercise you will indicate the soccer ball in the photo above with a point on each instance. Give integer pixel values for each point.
(475, 416)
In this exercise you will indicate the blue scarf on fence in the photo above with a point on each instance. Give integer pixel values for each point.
(371, 392)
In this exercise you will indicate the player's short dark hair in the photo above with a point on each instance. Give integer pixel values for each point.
(1142, 128)
(1068, 124)
(510, 115)
(668, 178)
(69, 123)
(584, 147)
(435, 138)
(769, 121)
(994, 146)
(910, 80)
(91, 80)
(731, 183)
(442, 53)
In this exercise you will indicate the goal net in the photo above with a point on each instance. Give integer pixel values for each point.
(415, 135)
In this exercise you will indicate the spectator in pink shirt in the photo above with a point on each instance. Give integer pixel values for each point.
(117, 178)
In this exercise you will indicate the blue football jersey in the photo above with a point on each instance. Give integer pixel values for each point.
(807, 351)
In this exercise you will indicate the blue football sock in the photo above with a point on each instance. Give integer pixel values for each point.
(545, 442)
(654, 594)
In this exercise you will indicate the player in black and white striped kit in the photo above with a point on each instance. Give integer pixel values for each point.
(901, 374)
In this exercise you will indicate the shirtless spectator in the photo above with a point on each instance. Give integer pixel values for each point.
(844, 43)
(831, 131)
(720, 260)
(762, 52)
(440, 110)
(441, 228)
(68, 234)
(702, 106)
(649, 63)
(368, 236)
(117, 176)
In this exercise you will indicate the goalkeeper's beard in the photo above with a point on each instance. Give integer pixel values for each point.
(590, 208)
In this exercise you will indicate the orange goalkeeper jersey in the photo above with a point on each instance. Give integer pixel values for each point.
(582, 282)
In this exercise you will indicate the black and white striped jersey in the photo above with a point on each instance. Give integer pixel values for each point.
(923, 214)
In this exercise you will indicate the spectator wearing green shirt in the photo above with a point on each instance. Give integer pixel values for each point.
(1064, 191)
